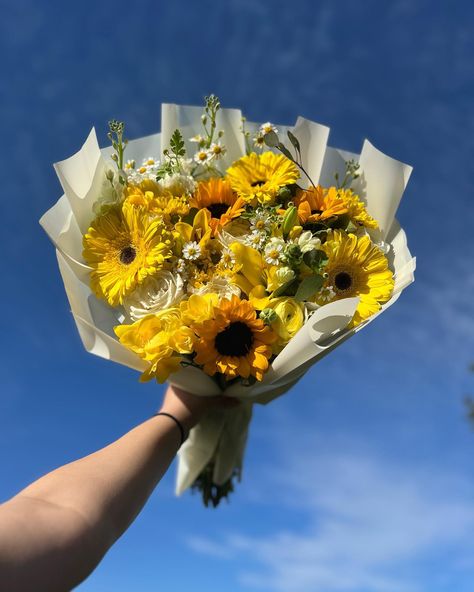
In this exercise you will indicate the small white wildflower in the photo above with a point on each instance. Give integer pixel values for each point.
(255, 239)
(203, 156)
(327, 294)
(267, 127)
(260, 220)
(217, 150)
(150, 161)
(191, 251)
(129, 165)
(307, 242)
(180, 266)
(259, 140)
(274, 251)
(178, 184)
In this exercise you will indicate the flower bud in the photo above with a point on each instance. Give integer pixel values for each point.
(268, 316)
(290, 219)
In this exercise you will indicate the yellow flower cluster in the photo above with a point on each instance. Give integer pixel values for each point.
(220, 269)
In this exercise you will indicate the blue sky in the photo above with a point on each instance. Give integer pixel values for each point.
(362, 478)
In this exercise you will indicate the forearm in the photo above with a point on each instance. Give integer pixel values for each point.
(71, 516)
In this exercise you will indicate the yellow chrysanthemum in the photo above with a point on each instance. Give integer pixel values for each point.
(356, 209)
(234, 342)
(158, 339)
(257, 177)
(150, 196)
(218, 197)
(356, 267)
(317, 204)
(123, 247)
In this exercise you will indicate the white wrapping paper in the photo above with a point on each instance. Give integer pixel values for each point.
(221, 436)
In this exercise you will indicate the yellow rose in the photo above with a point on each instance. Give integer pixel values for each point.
(290, 319)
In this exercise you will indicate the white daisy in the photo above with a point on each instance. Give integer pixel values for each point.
(198, 139)
(191, 251)
(129, 165)
(255, 239)
(267, 127)
(259, 140)
(227, 259)
(203, 157)
(327, 294)
(260, 220)
(274, 251)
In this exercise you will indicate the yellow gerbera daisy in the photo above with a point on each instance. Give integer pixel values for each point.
(317, 204)
(258, 177)
(218, 197)
(123, 247)
(356, 209)
(234, 342)
(356, 267)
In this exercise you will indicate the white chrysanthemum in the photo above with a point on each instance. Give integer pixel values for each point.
(217, 150)
(178, 184)
(129, 165)
(218, 285)
(147, 170)
(198, 139)
(274, 251)
(255, 239)
(155, 293)
(191, 251)
(307, 242)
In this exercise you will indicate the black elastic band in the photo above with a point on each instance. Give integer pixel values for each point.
(178, 423)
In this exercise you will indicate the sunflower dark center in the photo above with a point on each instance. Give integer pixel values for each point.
(258, 183)
(234, 340)
(217, 209)
(343, 281)
(127, 255)
(316, 211)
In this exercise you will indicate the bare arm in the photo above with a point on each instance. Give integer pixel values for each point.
(55, 532)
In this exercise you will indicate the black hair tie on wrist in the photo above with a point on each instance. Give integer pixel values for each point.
(177, 422)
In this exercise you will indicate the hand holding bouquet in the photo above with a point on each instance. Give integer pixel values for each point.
(226, 257)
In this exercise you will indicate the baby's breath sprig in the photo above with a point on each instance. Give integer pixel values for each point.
(272, 141)
(119, 143)
(352, 172)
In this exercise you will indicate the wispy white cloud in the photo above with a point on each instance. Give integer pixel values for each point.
(363, 520)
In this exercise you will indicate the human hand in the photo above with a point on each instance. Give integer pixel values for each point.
(189, 408)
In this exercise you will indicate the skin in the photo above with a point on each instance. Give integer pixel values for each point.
(55, 531)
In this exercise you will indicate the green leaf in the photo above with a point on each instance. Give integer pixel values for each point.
(177, 143)
(308, 287)
(284, 150)
(286, 289)
(271, 139)
(315, 259)
(294, 140)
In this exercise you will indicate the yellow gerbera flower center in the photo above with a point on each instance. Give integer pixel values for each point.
(217, 209)
(235, 340)
(342, 281)
(127, 255)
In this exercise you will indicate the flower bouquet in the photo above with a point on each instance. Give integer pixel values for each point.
(226, 257)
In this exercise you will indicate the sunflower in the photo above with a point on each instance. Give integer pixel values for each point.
(356, 267)
(317, 204)
(123, 247)
(218, 197)
(356, 209)
(234, 342)
(258, 177)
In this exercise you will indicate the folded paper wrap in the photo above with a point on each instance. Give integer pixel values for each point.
(221, 436)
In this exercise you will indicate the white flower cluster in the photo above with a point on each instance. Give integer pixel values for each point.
(206, 156)
(264, 129)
